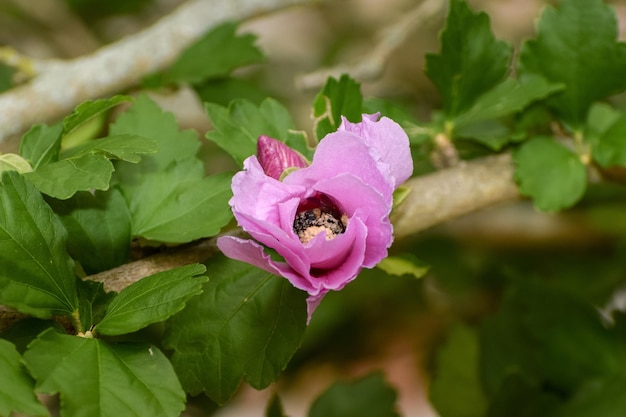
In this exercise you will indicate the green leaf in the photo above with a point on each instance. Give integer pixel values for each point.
(36, 273)
(456, 388)
(214, 55)
(16, 395)
(605, 131)
(146, 119)
(404, 264)
(95, 378)
(577, 46)
(89, 109)
(99, 228)
(14, 162)
(237, 128)
(93, 303)
(123, 147)
(337, 98)
(180, 205)
(491, 133)
(6, 77)
(369, 396)
(246, 324)
(64, 178)
(151, 299)
(41, 144)
(508, 97)
(275, 407)
(224, 90)
(602, 397)
(548, 172)
(471, 61)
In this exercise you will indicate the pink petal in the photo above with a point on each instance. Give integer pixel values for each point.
(388, 143)
(275, 157)
(311, 304)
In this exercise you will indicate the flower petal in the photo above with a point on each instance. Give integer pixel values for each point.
(388, 143)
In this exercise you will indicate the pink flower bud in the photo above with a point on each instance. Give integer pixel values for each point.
(275, 157)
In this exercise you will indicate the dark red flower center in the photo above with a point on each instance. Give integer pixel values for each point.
(318, 214)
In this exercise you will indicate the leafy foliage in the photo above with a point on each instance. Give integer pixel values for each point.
(102, 379)
(246, 324)
(336, 99)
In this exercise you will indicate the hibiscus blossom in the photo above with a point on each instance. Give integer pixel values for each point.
(329, 219)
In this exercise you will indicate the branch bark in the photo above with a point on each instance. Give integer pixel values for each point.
(62, 85)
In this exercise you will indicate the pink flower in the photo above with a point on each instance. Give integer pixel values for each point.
(328, 219)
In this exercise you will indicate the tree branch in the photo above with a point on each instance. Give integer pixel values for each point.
(61, 85)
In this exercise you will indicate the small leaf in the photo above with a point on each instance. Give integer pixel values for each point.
(89, 109)
(549, 173)
(95, 378)
(225, 49)
(583, 34)
(64, 178)
(369, 396)
(508, 97)
(36, 273)
(246, 324)
(93, 302)
(337, 98)
(491, 133)
(237, 128)
(14, 162)
(151, 299)
(180, 205)
(16, 395)
(456, 389)
(99, 228)
(609, 143)
(123, 147)
(41, 144)
(224, 90)
(471, 61)
(404, 264)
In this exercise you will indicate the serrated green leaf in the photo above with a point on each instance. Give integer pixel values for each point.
(151, 299)
(16, 395)
(246, 324)
(506, 98)
(456, 388)
(337, 98)
(14, 162)
(95, 378)
(403, 264)
(180, 204)
(214, 55)
(89, 109)
(123, 147)
(471, 61)
(238, 127)
(99, 228)
(491, 133)
(369, 396)
(41, 144)
(577, 46)
(146, 119)
(36, 273)
(550, 173)
(64, 178)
